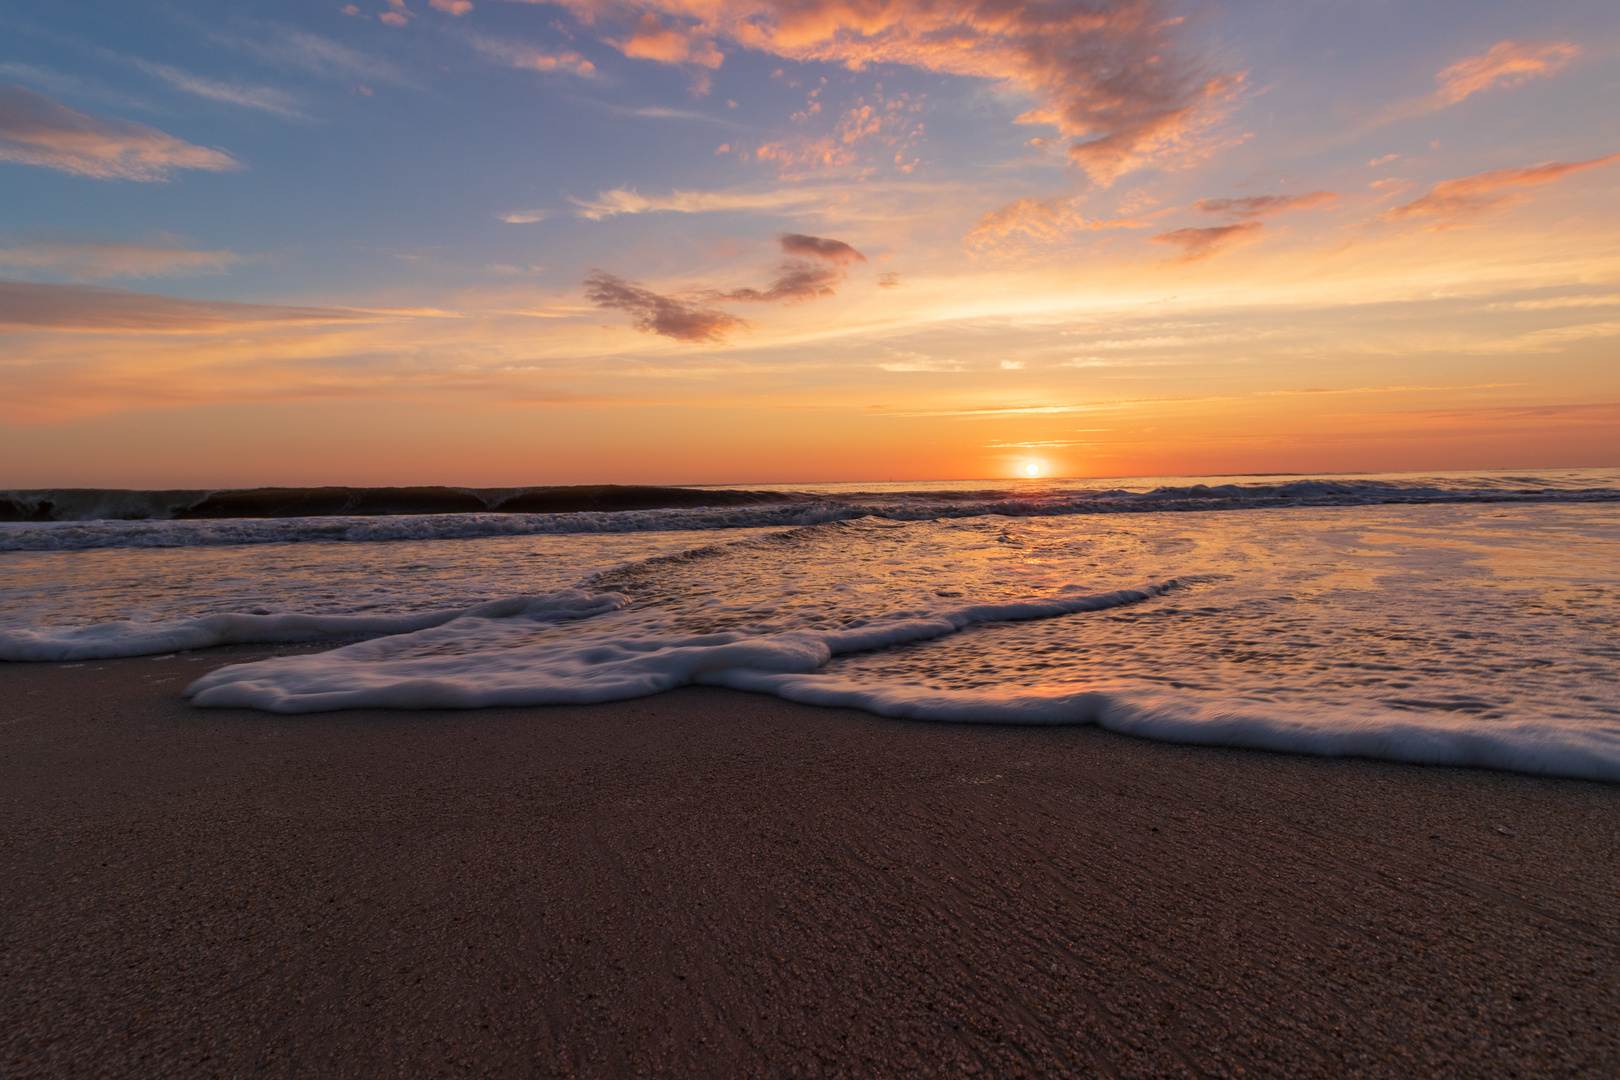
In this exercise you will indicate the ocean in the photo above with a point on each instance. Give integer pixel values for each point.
(1452, 618)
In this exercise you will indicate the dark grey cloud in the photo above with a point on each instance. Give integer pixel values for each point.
(652, 313)
(692, 319)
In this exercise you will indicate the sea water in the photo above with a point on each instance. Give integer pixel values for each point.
(1459, 619)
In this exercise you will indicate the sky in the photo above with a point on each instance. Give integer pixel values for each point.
(503, 242)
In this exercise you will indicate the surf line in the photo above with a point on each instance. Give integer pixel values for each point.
(482, 661)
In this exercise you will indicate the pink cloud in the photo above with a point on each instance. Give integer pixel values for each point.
(1031, 222)
(1200, 243)
(34, 130)
(1452, 201)
(1507, 63)
(451, 7)
(1254, 206)
(1108, 75)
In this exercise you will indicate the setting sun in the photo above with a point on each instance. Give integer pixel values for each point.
(1032, 469)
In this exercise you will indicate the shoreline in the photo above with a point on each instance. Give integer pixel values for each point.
(708, 881)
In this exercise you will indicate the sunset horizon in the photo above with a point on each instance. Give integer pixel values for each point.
(700, 242)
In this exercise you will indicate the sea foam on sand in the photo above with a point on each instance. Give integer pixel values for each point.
(496, 658)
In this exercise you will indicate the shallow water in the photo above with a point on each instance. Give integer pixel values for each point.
(1464, 632)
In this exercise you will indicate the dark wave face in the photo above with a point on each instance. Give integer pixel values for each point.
(97, 504)
(65, 519)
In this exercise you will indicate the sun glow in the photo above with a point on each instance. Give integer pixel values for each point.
(1032, 469)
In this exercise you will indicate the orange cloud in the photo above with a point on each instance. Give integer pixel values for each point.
(653, 40)
(1028, 222)
(1507, 63)
(1452, 201)
(1265, 205)
(452, 7)
(1107, 75)
(34, 130)
(1200, 243)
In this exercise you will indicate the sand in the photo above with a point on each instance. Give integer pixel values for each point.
(709, 883)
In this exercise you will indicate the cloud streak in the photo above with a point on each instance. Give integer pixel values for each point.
(81, 308)
(1254, 206)
(1031, 222)
(1201, 243)
(34, 130)
(1507, 63)
(653, 313)
(98, 262)
(266, 98)
(814, 267)
(1452, 202)
(519, 55)
(622, 201)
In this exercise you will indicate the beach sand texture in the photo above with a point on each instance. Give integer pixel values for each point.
(710, 883)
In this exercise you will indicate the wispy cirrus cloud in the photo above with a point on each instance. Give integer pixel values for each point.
(1112, 76)
(1552, 303)
(34, 130)
(266, 98)
(1027, 223)
(522, 55)
(25, 306)
(628, 201)
(1505, 64)
(102, 261)
(1253, 206)
(814, 267)
(290, 47)
(1452, 202)
(1201, 243)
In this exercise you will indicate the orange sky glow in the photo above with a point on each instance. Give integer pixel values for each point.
(696, 241)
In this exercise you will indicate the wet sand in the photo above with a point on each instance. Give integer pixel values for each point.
(709, 883)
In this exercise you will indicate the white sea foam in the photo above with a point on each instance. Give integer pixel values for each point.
(103, 641)
(492, 657)
(1542, 747)
(489, 658)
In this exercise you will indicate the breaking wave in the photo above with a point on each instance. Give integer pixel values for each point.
(84, 519)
